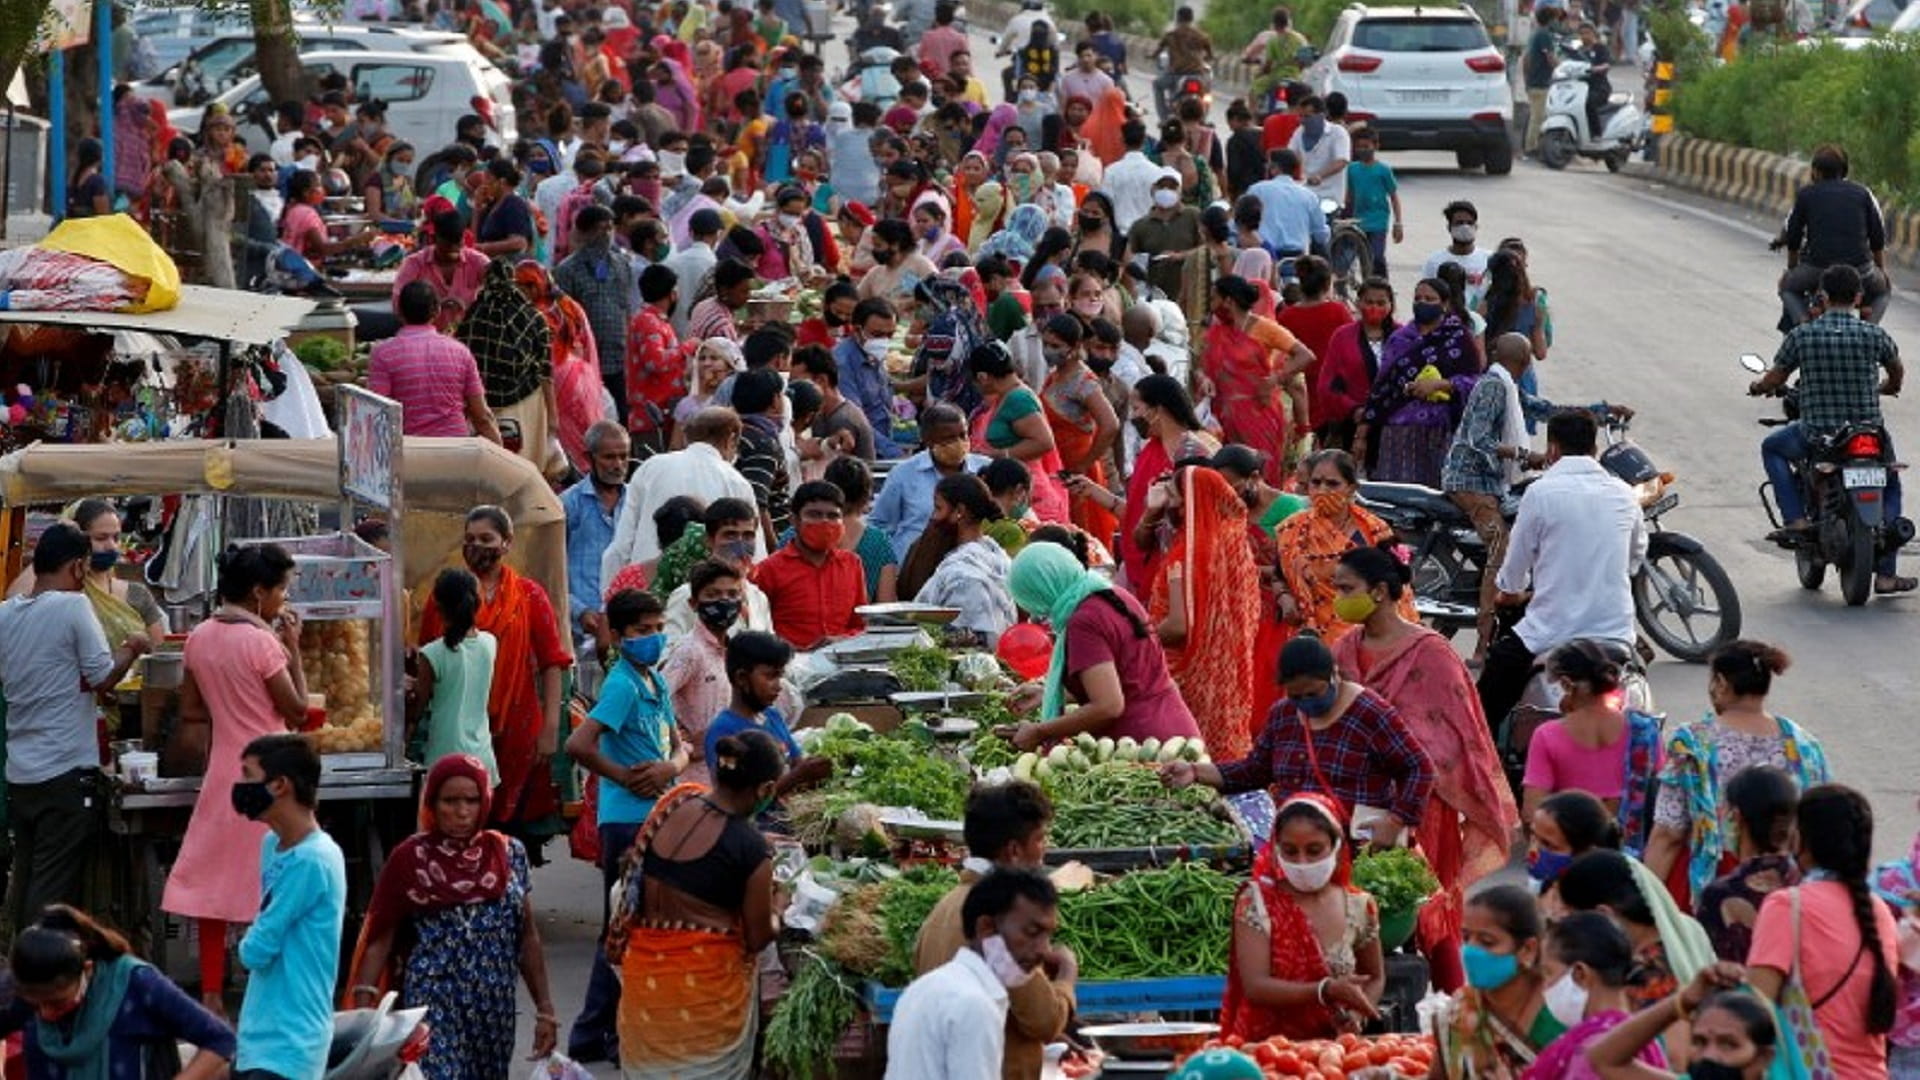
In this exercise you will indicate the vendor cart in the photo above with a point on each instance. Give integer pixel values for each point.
(367, 795)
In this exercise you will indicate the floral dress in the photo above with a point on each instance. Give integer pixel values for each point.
(465, 968)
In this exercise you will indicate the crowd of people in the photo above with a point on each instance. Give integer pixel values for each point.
(1059, 365)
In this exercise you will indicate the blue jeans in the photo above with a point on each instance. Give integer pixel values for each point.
(1788, 444)
(595, 1035)
(1377, 247)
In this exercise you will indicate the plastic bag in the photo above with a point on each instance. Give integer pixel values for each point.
(120, 242)
(559, 1067)
(412, 1072)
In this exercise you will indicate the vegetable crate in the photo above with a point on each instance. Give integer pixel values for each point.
(1185, 993)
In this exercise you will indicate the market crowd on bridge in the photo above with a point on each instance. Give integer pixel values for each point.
(1028, 354)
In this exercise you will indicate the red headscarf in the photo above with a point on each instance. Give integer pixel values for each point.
(432, 870)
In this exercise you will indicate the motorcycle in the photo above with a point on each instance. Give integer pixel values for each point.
(1682, 598)
(1871, 306)
(1564, 133)
(870, 78)
(377, 1043)
(1513, 734)
(1843, 486)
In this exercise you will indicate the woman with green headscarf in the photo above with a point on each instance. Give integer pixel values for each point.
(1105, 657)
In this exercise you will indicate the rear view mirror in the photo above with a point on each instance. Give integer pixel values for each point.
(1753, 363)
(1305, 55)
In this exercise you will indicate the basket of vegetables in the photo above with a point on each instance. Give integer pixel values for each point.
(1399, 881)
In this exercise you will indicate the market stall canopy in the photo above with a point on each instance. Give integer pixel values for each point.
(246, 318)
(442, 480)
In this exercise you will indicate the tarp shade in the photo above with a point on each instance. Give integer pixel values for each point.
(245, 318)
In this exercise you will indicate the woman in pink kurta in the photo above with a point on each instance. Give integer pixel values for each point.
(243, 677)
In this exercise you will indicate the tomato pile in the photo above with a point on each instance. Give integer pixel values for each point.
(1337, 1059)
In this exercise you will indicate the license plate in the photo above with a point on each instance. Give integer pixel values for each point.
(1663, 504)
(1421, 97)
(1871, 476)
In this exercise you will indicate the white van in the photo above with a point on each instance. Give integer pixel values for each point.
(426, 96)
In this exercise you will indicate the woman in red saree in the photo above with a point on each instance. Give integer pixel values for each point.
(1244, 368)
(524, 705)
(1306, 959)
(1469, 834)
(577, 387)
(1206, 604)
(1162, 414)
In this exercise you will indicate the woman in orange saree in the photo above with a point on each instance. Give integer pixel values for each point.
(576, 366)
(524, 704)
(1243, 371)
(1206, 604)
(1312, 542)
(1468, 835)
(1083, 421)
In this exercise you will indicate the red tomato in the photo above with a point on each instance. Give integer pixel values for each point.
(1287, 1061)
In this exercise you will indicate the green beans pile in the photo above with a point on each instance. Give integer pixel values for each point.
(1151, 924)
(1137, 825)
(1119, 782)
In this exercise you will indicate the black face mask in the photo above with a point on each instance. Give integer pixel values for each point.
(251, 799)
(1714, 1070)
(1099, 365)
(1140, 427)
(1091, 224)
(719, 615)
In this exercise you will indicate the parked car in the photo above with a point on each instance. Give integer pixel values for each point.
(222, 63)
(426, 96)
(1864, 18)
(1423, 78)
(174, 32)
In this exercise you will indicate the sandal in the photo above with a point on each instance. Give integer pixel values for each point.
(1894, 585)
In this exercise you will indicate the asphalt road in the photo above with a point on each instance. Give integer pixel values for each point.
(1655, 293)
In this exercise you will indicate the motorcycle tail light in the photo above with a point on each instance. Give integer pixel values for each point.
(1864, 445)
(1487, 65)
(1355, 117)
(414, 1049)
(1353, 62)
(1191, 87)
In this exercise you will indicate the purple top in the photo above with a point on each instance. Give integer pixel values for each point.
(1448, 347)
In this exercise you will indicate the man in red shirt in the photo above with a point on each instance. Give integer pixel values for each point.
(1280, 124)
(656, 361)
(812, 585)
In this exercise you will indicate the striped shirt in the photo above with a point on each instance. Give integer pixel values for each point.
(431, 375)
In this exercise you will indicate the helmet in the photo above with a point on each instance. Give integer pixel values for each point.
(336, 183)
(1034, 5)
(1218, 1064)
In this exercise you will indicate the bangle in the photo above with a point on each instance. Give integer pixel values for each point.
(1320, 991)
(545, 1018)
(366, 988)
(1679, 1008)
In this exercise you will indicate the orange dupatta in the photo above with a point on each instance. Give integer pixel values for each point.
(1074, 443)
(1310, 549)
(1221, 597)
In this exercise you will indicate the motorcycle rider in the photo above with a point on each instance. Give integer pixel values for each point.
(1599, 88)
(1018, 33)
(1189, 52)
(1834, 222)
(1570, 559)
(1839, 357)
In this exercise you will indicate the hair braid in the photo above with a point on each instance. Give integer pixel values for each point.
(1836, 825)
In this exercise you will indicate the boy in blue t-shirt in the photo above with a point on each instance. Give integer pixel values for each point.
(756, 662)
(1373, 196)
(630, 741)
(292, 951)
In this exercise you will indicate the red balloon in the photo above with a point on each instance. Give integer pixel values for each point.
(1027, 648)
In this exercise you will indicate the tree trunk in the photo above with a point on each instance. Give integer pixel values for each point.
(276, 53)
(17, 32)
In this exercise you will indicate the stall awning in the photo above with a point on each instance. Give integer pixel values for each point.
(442, 480)
(246, 318)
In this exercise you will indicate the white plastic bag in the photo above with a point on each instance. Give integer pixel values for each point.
(412, 1072)
(559, 1067)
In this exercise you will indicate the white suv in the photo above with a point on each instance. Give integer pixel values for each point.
(1424, 78)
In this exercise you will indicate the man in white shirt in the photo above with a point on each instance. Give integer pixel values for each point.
(692, 264)
(704, 471)
(1324, 150)
(1575, 545)
(1129, 181)
(1463, 228)
(289, 120)
(951, 1022)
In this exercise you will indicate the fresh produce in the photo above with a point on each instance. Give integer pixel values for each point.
(1134, 825)
(1346, 1058)
(323, 353)
(871, 931)
(986, 751)
(1151, 924)
(337, 661)
(921, 667)
(1117, 781)
(1398, 879)
(809, 1020)
(1084, 751)
(978, 671)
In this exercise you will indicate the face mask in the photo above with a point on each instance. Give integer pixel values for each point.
(719, 615)
(1091, 224)
(1714, 1070)
(1319, 704)
(480, 560)
(1373, 314)
(1021, 509)
(617, 146)
(1354, 607)
(1053, 357)
(1028, 97)
(1224, 315)
(1140, 426)
(643, 651)
(1000, 961)
(931, 233)
(1313, 126)
(1166, 198)
(1546, 866)
(1363, 155)
(1488, 970)
(1329, 504)
(878, 347)
(1424, 313)
(1567, 1000)
(788, 221)
(309, 162)
(949, 455)
(822, 535)
(1099, 365)
(105, 560)
(70, 1007)
(737, 552)
(1022, 185)
(1463, 233)
(1313, 876)
(762, 806)
(251, 799)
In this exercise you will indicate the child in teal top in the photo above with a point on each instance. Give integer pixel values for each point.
(1373, 197)
(455, 678)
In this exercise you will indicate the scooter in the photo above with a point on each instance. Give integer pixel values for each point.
(377, 1043)
(1843, 486)
(870, 78)
(1564, 134)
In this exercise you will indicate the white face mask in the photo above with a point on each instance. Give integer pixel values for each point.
(1313, 876)
(1000, 961)
(1463, 233)
(309, 162)
(878, 347)
(617, 146)
(1166, 198)
(1567, 1000)
(789, 220)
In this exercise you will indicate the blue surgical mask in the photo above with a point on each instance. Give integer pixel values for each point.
(1547, 866)
(1427, 313)
(1488, 970)
(1319, 704)
(645, 650)
(1313, 126)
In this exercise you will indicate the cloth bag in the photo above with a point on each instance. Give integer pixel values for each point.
(1801, 1050)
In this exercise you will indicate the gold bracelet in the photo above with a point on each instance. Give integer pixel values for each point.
(1679, 1008)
